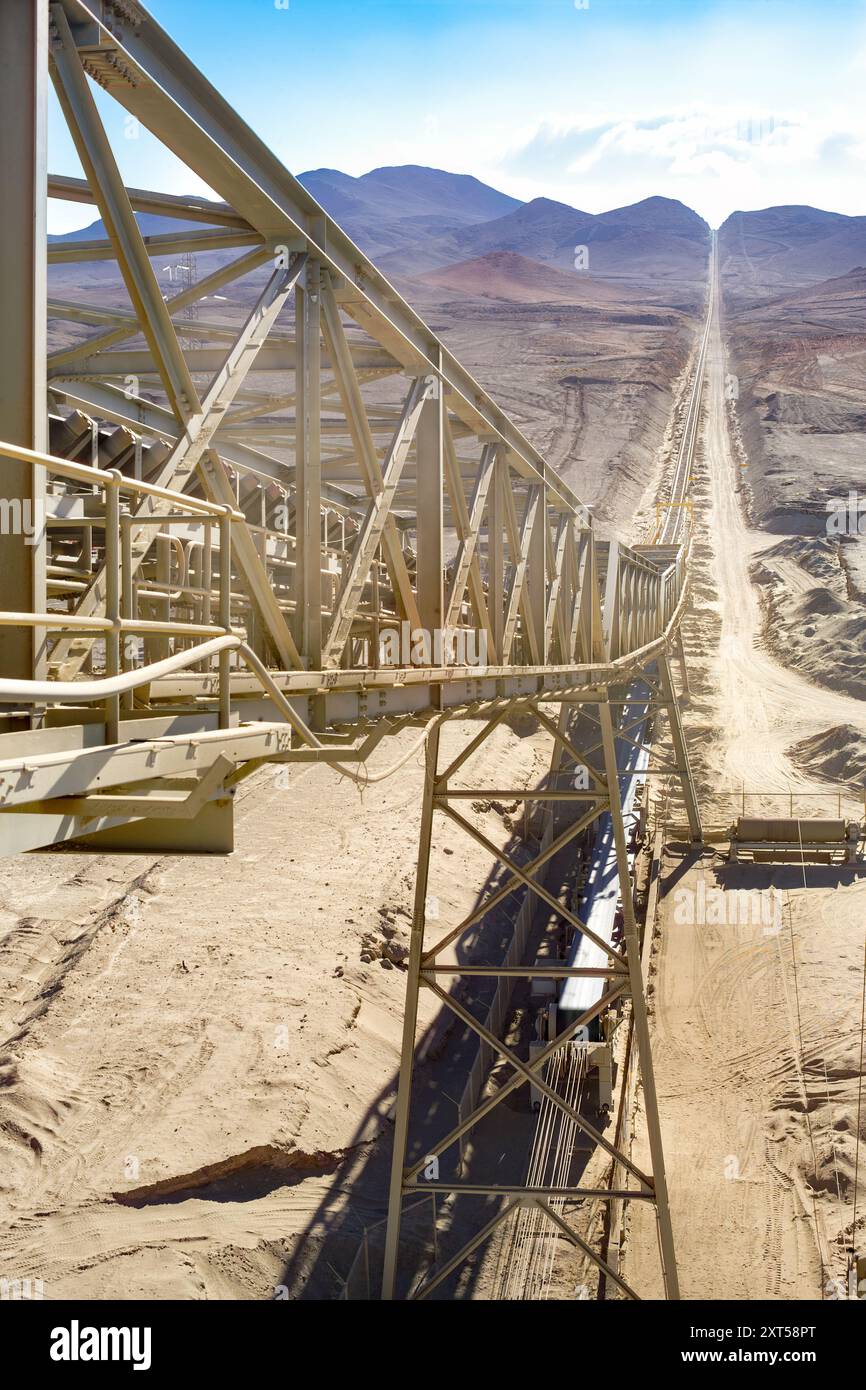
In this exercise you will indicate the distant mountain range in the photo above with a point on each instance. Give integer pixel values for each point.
(784, 248)
(416, 222)
(657, 238)
(389, 209)
(412, 220)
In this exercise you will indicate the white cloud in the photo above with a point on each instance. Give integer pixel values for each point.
(724, 104)
(714, 159)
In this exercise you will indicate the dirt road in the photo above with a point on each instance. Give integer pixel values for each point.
(756, 1021)
(762, 706)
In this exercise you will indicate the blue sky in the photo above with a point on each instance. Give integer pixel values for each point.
(725, 104)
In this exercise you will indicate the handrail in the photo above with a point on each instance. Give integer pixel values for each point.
(157, 626)
(108, 686)
(106, 477)
(662, 608)
(55, 692)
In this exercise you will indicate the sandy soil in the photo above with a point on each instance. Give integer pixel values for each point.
(195, 1061)
(762, 706)
(592, 387)
(797, 361)
(196, 1066)
(756, 1044)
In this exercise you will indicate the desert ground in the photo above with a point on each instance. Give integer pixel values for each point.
(198, 1057)
(757, 1025)
(198, 1064)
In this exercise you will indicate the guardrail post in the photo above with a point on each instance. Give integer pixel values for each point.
(537, 576)
(112, 600)
(127, 598)
(225, 617)
(496, 552)
(308, 467)
(430, 485)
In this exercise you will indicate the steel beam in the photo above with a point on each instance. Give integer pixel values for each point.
(468, 525)
(375, 521)
(23, 295)
(622, 973)
(167, 244)
(279, 356)
(365, 456)
(496, 554)
(186, 209)
(410, 1020)
(308, 468)
(171, 98)
(430, 482)
(189, 451)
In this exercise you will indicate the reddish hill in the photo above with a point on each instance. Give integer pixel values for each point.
(508, 275)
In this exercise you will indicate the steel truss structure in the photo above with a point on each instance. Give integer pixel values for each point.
(433, 963)
(223, 506)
